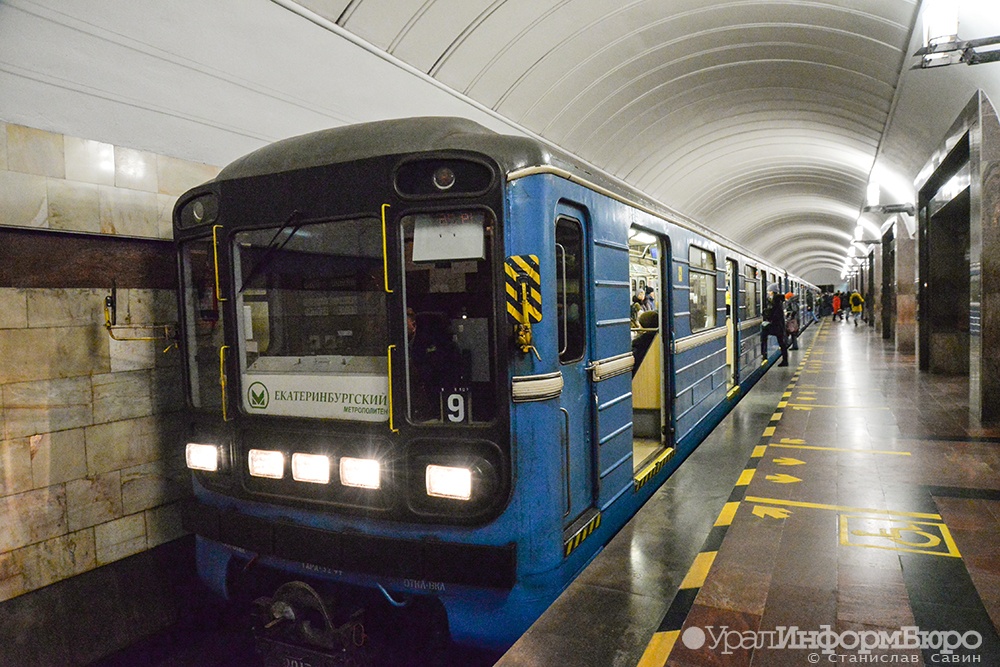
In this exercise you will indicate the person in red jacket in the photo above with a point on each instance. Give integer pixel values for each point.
(836, 306)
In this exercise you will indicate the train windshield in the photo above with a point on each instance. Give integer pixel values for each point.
(448, 293)
(311, 312)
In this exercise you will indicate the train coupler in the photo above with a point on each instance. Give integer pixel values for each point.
(295, 628)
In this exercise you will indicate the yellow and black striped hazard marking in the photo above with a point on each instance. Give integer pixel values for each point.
(580, 535)
(658, 650)
(524, 288)
(651, 470)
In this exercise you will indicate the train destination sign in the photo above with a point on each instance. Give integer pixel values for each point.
(354, 397)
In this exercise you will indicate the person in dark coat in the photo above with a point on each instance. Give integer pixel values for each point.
(774, 317)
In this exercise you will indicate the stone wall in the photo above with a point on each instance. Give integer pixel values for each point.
(90, 468)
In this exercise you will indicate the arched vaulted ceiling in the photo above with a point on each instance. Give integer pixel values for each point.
(759, 118)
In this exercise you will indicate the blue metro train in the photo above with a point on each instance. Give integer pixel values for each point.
(414, 366)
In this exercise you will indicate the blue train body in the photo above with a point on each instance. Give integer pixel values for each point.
(587, 425)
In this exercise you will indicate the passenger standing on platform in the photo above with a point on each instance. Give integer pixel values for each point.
(775, 319)
(836, 306)
(792, 322)
(857, 305)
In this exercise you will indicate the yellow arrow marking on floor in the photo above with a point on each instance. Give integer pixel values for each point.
(840, 407)
(793, 441)
(773, 512)
(839, 508)
(785, 461)
(806, 398)
(782, 478)
(834, 449)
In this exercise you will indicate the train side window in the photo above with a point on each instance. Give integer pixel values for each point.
(702, 276)
(204, 327)
(570, 289)
(750, 284)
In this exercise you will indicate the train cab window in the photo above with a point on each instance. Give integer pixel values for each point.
(751, 288)
(701, 265)
(311, 311)
(448, 296)
(570, 290)
(203, 323)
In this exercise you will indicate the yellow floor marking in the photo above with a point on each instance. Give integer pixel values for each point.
(776, 417)
(782, 478)
(839, 508)
(782, 404)
(699, 570)
(659, 648)
(758, 451)
(788, 461)
(769, 431)
(836, 449)
(745, 477)
(773, 512)
(727, 514)
(839, 407)
(918, 537)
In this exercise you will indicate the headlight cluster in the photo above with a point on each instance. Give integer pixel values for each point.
(449, 482)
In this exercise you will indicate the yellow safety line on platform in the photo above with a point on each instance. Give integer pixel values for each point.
(659, 649)
(699, 570)
(727, 514)
(839, 508)
(745, 477)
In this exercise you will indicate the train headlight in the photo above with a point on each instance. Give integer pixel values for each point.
(313, 468)
(360, 473)
(266, 463)
(449, 482)
(202, 457)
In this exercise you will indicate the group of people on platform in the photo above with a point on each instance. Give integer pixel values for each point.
(782, 316)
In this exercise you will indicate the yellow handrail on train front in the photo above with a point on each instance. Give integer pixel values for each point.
(385, 252)
(392, 424)
(215, 253)
(222, 379)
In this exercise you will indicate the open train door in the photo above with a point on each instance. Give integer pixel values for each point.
(732, 323)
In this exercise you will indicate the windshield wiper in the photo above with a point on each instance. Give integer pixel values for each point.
(271, 248)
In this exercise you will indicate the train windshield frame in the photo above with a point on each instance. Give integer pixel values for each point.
(448, 294)
(311, 314)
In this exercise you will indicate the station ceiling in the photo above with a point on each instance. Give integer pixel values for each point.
(761, 119)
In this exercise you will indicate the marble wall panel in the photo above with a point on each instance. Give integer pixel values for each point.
(163, 524)
(124, 444)
(178, 176)
(65, 307)
(23, 200)
(3, 145)
(129, 212)
(33, 516)
(158, 483)
(135, 170)
(167, 388)
(12, 575)
(14, 476)
(120, 538)
(64, 352)
(33, 151)
(13, 308)
(32, 408)
(74, 206)
(120, 396)
(89, 161)
(59, 558)
(165, 210)
(93, 500)
(57, 457)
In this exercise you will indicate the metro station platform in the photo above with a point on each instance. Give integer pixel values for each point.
(846, 512)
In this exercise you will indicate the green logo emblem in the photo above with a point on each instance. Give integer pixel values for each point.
(257, 396)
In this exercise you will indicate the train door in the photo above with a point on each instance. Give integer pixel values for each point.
(652, 395)
(732, 324)
(575, 403)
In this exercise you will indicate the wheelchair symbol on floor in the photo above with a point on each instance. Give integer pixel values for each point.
(873, 532)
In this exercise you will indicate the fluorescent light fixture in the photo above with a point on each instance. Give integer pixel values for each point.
(313, 468)
(266, 463)
(201, 457)
(643, 238)
(360, 473)
(448, 482)
(940, 22)
(874, 191)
